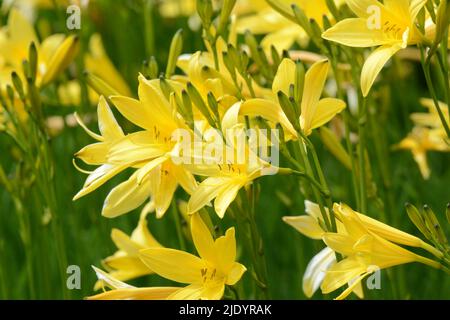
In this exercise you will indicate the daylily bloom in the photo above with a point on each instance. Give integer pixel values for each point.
(281, 32)
(365, 252)
(225, 176)
(123, 291)
(419, 142)
(206, 275)
(309, 226)
(315, 112)
(55, 53)
(389, 26)
(125, 263)
(149, 151)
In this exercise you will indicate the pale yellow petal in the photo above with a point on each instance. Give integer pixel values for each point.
(153, 293)
(306, 225)
(326, 110)
(314, 82)
(107, 123)
(235, 274)
(61, 59)
(355, 32)
(227, 195)
(316, 270)
(98, 177)
(203, 240)
(374, 63)
(175, 265)
(126, 197)
(284, 77)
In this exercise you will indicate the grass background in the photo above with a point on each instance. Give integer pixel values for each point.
(87, 234)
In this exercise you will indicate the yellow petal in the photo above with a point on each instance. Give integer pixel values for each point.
(98, 177)
(314, 82)
(341, 273)
(63, 56)
(110, 281)
(97, 62)
(316, 270)
(134, 111)
(374, 63)
(268, 110)
(306, 225)
(107, 123)
(284, 77)
(206, 191)
(175, 265)
(164, 184)
(94, 154)
(340, 243)
(235, 274)
(20, 30)
(355, 32)
(355, 282)
(126, 197)
(225, 248)
(203, 241)
(326, 110)
(153, 293)
(227, 195)
(157, 105)
(49, 46)
(135, 147)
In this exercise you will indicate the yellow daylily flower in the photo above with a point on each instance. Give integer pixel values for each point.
(55, 53)
(96, 153)
(315, 112)
(224, 178)
(125, 263)
(148, 151)
(309, 226)
(389, 26)
(123, 291)
(365, 252)
(206, 275)
(420, 141)
(281, 32)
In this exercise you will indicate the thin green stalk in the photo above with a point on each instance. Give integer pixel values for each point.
(362, 158)
(149, 28)
(426, 69)
(247, 219)
(316, 190)
(176, 217)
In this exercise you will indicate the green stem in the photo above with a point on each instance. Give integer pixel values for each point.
(426, 69)
(176, 217)
(362, 159)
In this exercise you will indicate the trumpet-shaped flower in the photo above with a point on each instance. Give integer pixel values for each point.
(315, 112)
(365, 252)
(235, 168)
(206, 275)
(389, 26)
(281, 32)
(55, 53)
(420, 141)
(310, 225)
(149, 151)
